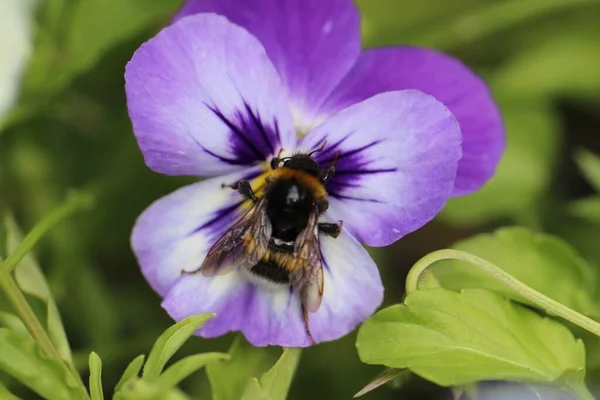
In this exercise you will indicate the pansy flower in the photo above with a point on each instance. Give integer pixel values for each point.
(231, 84)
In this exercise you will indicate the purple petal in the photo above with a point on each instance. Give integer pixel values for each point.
(398, 154)
(272, 315)
(205, 99)
(451, 82)
(176, 231)
(313, 43)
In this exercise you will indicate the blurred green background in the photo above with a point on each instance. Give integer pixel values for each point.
(69, 129)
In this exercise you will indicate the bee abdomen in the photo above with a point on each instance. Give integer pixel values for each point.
(271, 271)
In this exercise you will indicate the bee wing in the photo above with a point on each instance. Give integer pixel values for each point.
(309, 270)
(243, 245)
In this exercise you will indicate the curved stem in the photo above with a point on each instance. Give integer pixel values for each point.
(75, 202)
(18, 301)
(545, 303)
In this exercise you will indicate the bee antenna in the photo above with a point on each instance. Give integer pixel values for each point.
(319, 149)
(335, 158)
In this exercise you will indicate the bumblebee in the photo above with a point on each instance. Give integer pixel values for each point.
(277, 240)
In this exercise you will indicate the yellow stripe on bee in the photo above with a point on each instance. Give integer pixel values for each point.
(283, 260)
(283, 174)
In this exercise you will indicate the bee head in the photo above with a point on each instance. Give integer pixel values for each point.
(303, 162)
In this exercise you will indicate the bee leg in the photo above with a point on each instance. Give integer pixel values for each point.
(330, 229)
(305, 318)
(328, 174)
(186, 272)
(244, 188)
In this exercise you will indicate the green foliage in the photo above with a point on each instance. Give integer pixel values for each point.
(549, 70)
(22, 359)
(543, 262)
(5, 394)
(96, 377)
(459, 338)
(228, 379)
(87, 38)
(388, 375)
(236, 378)
(587, 209)
(589, 163)
(274, 385)
(169, 342)
(32, 281)
(524, 173)
(70, 129)
(131, 372)
(154, 385)
(150, 390)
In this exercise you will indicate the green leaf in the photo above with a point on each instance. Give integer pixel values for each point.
(88, 36)
(589, 163)
(276, 382)
(455, 339)
(142, 390)
(158, 389)
(547, 68)
(185, 367)
(588, 208)
(228, 379)
(5, 394)
(32, 281)
(99, 323)
(96, 377)
(131, 372)
(543, 262)
(169, 342)
(254, 391)
(13, 323)
(524, 172)
(22, 359)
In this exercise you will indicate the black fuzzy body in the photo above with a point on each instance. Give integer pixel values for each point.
(289, 204)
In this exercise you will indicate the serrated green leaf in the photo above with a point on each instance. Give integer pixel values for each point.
(5, 394)
(454, 339)
(32, 281)
(524, 172)
(544, 262)
(589, 163)
(228, 379)
(22, 359)
(131, 372)
(169, 342)
(96, 377)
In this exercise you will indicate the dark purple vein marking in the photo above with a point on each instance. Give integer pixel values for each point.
(350, 153)
(364, 171)
(238, 132)
(365, 199)
(258, 123)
